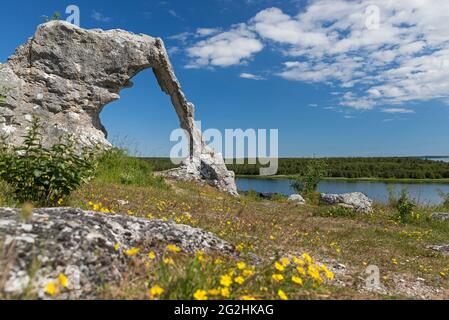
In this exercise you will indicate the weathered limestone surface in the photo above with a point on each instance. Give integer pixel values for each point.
(81, 245)
(356, 201)
(65, 75)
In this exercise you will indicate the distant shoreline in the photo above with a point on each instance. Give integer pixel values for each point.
(384, 180)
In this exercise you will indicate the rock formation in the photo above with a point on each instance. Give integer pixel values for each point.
(297, 199)
(82, 246)
(356, 201)
(65, 75)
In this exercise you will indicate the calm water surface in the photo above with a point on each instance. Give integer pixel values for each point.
(425, 193)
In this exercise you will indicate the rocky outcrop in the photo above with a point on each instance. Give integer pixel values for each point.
(356, 201)
(297, 199)
(65, 75)
(82, 246)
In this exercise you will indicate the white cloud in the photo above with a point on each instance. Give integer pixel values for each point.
(397, 110)
(403, 58)
(251, 76)
(98, 16)
(173, 13)
(204, 32)
(225, 49)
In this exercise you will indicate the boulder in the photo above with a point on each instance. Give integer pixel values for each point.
(356, 201)
(66, 75)
(297, 199)
(440, 216)
(82, 245)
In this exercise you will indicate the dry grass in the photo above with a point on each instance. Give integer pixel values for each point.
(272, 229)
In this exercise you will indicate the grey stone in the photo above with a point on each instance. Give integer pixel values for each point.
(297, 199)
(356, 201)
(440, 216)
(441, 248)
(80, 244)
(66, 75)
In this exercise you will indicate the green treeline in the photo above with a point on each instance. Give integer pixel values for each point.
(386, 168)
(383, 168)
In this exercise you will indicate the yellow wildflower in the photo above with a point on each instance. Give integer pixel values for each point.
(156, 291)
(218, 261)
(282, 295)
(240, 247)
(279, 267)
(297, 261)
(51, 289)
(240, 280)
(315, 274)
(169, 261)
(248, 272)
(132, 252)
(329, 274)
(285, 261)
(272, 237)
(63, 281)
(225, 292)
(60, 201)
(214, 292)
(301, 271)
(231, 272)
(200, 295)
(200, 255)
(394, 261)
(173, 248)
(241, 265)
(307, 257)
(151, 255)
(297, 280)
(117, 246)
(277, 277)
(225, 280)
(247, 298)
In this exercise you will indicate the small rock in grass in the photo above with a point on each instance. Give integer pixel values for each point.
(440, 216)
(297, 199)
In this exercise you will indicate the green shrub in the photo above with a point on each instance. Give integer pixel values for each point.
(43, 176)
(403, 204)
(338, 212)
(115, 166)
(308, 182)
(445, 197)
(254, 195)
(56, 17)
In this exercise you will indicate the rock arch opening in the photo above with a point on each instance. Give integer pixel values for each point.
(66, 75)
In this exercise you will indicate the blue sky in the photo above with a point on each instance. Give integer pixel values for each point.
(337, 78)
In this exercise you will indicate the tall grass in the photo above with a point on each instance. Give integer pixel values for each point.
(115, 166)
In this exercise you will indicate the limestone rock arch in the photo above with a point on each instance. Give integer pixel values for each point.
(66, 75)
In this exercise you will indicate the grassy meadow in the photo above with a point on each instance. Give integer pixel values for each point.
(285, 251)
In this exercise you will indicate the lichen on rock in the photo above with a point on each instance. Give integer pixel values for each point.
(82, 245)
